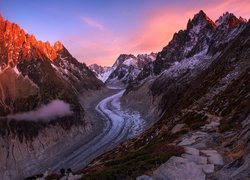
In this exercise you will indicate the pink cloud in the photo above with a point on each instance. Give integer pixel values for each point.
(92, 23)
(152, 34)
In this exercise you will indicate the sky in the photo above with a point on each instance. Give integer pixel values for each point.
(98, 31)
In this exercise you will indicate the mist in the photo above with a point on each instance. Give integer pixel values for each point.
(55, 109)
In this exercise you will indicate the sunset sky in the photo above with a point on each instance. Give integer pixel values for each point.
(97, 31)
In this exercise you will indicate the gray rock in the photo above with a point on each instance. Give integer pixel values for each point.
(186, 142)
(208, 168)
(179, 168)
(213, 157)
(200, 146)
(236, 170)
(196, 159)
(192, 151)
(178, 128)
(244, 170)
(144, 177)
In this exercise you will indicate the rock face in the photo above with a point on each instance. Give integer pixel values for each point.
(179, 168)
(188, 54)
(202, 73)
(32, 74)
(202, 35)
(50, 69)
(127, 67)
(101, 73)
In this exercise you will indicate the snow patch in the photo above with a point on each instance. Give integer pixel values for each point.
(16, 71)
(104, 76)
(130, 62)
(191, 63)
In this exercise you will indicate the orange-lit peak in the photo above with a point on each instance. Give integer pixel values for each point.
(201, 16)
(58, 46)
(229, 20)
(1, 17)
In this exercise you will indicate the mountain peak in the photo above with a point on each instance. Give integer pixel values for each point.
(122, 58)
(200, 19)
(58, 46)
(28, 41)
(229, 20)
(1, 18)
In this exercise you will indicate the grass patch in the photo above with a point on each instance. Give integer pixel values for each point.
(194, 120)
(133, 164)
(225, 127)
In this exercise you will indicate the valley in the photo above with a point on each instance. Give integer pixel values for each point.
(117, 125)
(180, 113)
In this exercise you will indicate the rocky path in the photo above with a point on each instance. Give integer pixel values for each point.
(199, 159)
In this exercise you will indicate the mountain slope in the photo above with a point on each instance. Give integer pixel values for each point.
(197, 91)
(211, 81)
(38, 84)
(101, 73)
(202, 35)
(127, 67)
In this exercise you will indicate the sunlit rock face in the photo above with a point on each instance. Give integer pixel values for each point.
(33, 76)
(50, 70)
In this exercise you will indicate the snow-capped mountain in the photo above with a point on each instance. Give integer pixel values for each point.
(201, 35)
(39, 105)
(40, 66)
(101, 73)
(127, 67)
(200, 80)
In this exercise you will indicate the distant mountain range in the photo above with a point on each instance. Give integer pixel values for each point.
(125, 69)
(193, 95)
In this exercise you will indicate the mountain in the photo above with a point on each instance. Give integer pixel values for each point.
(39, 88)
(196, 95)
(127, 67)
(101, 73)
(42, 65)
(202, 35)
(200, 76)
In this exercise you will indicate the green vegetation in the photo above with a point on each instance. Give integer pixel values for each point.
(194, 120)
(138, 162)
(225, 127)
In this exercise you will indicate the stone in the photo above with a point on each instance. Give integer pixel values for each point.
(178, 128)
(213, 157)
(200, 146)
(196, 159)
(208, 168)
(144, 177)
(179, 168)
(186, 142)
(191, 150)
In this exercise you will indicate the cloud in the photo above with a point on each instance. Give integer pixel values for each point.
(151, 33)
(92, 23)
(55, 109)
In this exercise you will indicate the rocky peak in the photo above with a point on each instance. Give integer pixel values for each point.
(22, 45)
(229, 20)
(200, 20)
(58, 46)
(122, 58)
(1, 18)
(96, 68)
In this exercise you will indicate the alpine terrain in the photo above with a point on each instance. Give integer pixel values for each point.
(181, 113)
(125, 69)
